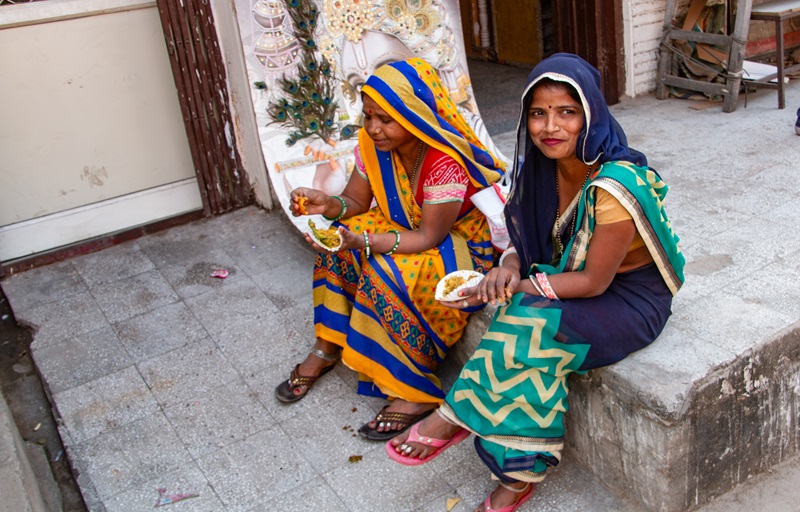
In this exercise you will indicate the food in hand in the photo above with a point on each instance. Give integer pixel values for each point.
(449, 287)
(329, 238)
(453, 282)
(301, 205)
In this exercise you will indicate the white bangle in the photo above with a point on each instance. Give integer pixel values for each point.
(508, 251)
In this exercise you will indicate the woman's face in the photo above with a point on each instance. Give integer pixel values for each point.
(385, 132)
(555, 120)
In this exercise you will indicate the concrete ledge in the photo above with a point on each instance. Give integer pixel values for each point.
(668, 440)
(19, 490)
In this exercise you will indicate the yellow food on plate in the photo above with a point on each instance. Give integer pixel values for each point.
(329, 238)
(301, 205)
(452, 283)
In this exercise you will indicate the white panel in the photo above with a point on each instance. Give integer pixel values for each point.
(64, 228)
(89, 112)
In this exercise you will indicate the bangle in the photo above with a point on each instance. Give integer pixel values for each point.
(366, 243)
(341, 214)
(508, 251)
(541, 277)
(536, 285)
(396, 241)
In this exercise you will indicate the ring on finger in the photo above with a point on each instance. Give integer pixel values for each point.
(464, 303)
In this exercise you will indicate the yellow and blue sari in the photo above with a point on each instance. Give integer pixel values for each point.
(512, 393)
(381, 310)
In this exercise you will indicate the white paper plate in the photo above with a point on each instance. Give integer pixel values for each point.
(331, 249)
(471, 278)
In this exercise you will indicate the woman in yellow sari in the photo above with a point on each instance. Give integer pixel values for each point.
(374, 301)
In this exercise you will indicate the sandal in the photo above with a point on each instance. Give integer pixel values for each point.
(285, 390)
(440, 445)
(527, 490)
(390, 417)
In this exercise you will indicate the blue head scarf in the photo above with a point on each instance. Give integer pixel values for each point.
(531, 208)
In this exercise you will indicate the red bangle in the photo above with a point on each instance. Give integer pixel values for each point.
(541, 278)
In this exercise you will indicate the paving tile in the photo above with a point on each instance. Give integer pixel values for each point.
(327, 388)
(256, 248)
(191, 279)
(112, 264)
(75, 360)
(71, 316)
(104, 404)
(288, 284)
(127, 457)
(186, 372)
(253, 472)
(262, 343)
(185, 479)
(237, 303)
(327, 435)
(159, 331)
(133, 296)
(391, 486)
(313, 496)
(784, 288)
(217, 417)
(43, 285)
(184, 246)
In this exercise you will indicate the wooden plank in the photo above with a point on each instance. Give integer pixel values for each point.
(173, 40)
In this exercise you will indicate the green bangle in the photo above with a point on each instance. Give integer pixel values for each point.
(396, 242)
(341, 214)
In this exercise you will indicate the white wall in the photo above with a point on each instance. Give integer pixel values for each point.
(643, 21)
(91, 132)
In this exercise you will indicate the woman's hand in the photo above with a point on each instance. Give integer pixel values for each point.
(350, 240)
(499, 285)
(308, 201)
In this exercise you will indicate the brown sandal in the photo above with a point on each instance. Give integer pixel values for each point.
(384, 416)
(285, 390)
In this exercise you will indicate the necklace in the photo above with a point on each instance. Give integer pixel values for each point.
(574, 212)
(416, 164)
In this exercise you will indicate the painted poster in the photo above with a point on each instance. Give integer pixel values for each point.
(307, 61)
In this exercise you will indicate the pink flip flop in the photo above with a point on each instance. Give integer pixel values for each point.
(487, 505)
(414, 437)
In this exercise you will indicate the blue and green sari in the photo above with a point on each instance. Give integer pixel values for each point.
(512, 393)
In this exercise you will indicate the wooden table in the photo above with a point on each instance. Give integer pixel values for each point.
(777, 11)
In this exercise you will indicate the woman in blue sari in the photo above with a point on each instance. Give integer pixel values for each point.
(589, 279)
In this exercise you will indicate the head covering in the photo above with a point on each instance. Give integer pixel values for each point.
(532, 199)
(411, 92)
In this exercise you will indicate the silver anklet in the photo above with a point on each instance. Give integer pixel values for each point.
(326, 357)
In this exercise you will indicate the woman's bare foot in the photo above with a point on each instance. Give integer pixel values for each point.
(433, 426)
(503, 496)
(404, 407)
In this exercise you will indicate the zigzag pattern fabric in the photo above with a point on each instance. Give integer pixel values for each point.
(513, 390)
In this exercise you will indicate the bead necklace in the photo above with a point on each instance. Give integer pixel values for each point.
(574, 211)
(416, 164)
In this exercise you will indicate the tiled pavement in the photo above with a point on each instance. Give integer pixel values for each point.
(163, 377)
